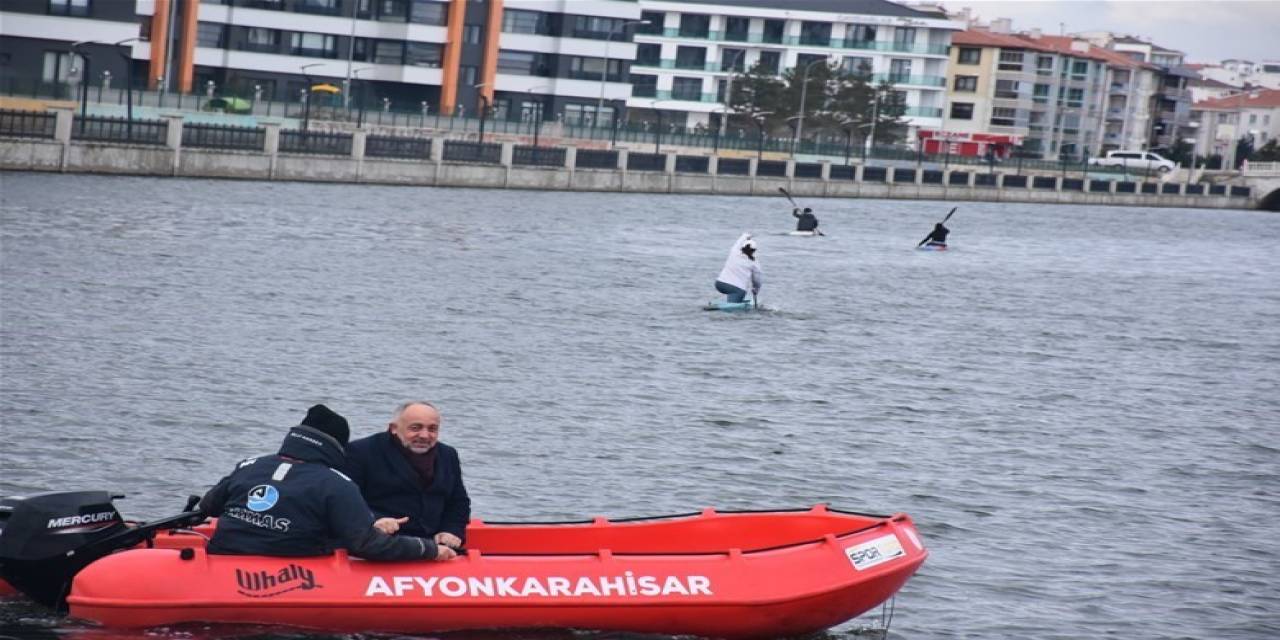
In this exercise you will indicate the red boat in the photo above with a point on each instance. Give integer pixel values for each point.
(714, 574)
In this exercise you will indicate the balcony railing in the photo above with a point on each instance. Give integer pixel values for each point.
(806, 41)
(687, 96)
(924, 112)
(895, 78)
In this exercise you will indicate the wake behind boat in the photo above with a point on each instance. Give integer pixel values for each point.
(714, 574)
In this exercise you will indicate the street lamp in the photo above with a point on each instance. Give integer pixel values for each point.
(128, 83)
(84, 79)
(306, 92)
(604, 73)
(728, 99)
(537, 119)
(355, 73)
(758, 118)
(804, 89)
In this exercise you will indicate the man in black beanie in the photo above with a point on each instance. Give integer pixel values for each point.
(295, 503)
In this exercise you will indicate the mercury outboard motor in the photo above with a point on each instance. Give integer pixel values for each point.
(46, 539)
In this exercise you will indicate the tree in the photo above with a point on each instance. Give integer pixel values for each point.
(1182, 153)
(1244, 148)
(1269, 152)
(754, 92)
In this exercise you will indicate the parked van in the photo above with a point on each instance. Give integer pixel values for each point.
(1135, 160)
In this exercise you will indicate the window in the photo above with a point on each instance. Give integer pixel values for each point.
(326, 7)
(1040, 93)
(735, 28)
(425, 54)
(694, 25)
(1075, 97)
(1044, 65)
(429, 12)
(591, 68)
(1007, 89)
(733, 60)
(595, 27)
(904, 38)
(643, 86)
(1079, 68)
(469, 73)
(686, 89)
(770, 61)
(261, 39)
(1253, 118)
(388, 52)
(805, 59)
(967, 84)
(856, 64)
(969, 56)
(59, 67)
(899, 70)
(961, 110)
(691, 58)
(1003, 116)
(210, 34)
(318, 45)
(1010, 61)
(648, 54)
(471, 34)
(69, 8)
(773, 30)
(858, 36)
(815, 33)
(518, 21)
(655, 20)
(523, 63)
(393, 10)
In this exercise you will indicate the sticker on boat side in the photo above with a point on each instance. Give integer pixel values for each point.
(874, 552)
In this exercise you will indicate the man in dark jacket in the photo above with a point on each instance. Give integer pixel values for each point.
(295, 503)
(805, 220)
(411, 480)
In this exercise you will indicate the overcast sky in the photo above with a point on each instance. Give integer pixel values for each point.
(1207, 30)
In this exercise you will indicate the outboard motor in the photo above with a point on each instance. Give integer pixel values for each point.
(45, 539)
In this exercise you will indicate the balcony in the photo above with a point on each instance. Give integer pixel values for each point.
(675, 64)
(923, 112)
(687, 96)
(924, 81)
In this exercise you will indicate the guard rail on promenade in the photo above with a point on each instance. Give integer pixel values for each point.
(170, 147)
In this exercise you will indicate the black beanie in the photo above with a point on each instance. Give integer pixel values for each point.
(323, 419)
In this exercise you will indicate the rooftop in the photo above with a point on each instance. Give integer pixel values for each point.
(1260, 99)
(862, 7)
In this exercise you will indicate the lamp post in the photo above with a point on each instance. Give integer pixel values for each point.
(106, 82)
(758, 118)
(84, 79)
(804, 89)
(128, 85)
(355, 73)
(728, 100)
(306, 95)
(537, 108)
(484, 107)
(604, 73)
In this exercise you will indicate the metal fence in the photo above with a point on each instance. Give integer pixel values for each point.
(216, 136)
(461, 151)
(338, 144)
(135, 131)
(596, 159)
(27, 124)
(537, 156)
(397, 147)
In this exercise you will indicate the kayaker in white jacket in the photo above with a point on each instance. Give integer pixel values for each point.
(741, 271)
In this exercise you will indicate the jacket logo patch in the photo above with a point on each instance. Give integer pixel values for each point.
(263, 497)
(267, 584)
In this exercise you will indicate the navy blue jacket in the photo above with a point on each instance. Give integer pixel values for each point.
(393, 489)
(295, 504)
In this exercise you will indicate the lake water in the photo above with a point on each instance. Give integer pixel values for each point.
(1079, 407)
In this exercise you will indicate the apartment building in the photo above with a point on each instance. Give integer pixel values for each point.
(1221, 121)
(1047, 91)
(1171, 103)
(1241, 73)
(687, 51)
(527, 58)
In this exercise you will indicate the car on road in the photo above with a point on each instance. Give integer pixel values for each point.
(1135, 160)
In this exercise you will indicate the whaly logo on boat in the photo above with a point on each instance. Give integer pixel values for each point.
(265, 584)
(628, 584)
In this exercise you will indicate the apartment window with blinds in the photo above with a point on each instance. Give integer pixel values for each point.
(518, 21)
(523, 63)
(1010, 61)
(967, 84)
(261, 39)
(429, 12)
(388, 52)
(210, 34)
(1007, 89)
(424, 54)
(1003, 116)
(686, 89)
(596, 28)
(70, 8)
(969, 55)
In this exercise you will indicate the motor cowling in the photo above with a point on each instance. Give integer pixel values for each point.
(45, 539)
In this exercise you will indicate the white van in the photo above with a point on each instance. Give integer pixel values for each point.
(1135, 160)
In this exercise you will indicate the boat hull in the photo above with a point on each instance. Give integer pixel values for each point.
(751, 591)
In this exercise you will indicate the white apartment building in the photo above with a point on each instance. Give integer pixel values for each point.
(1255, 114)
(689, 49)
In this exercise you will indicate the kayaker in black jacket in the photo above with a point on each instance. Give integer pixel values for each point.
(296, 503)
(937, 237)
(805, 220)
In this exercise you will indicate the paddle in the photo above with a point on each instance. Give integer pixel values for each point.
(944, 221)
(783, 190)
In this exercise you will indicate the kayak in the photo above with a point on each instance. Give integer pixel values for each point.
(803, 233)
(932, 247)
(721, 305)
(711, 574)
